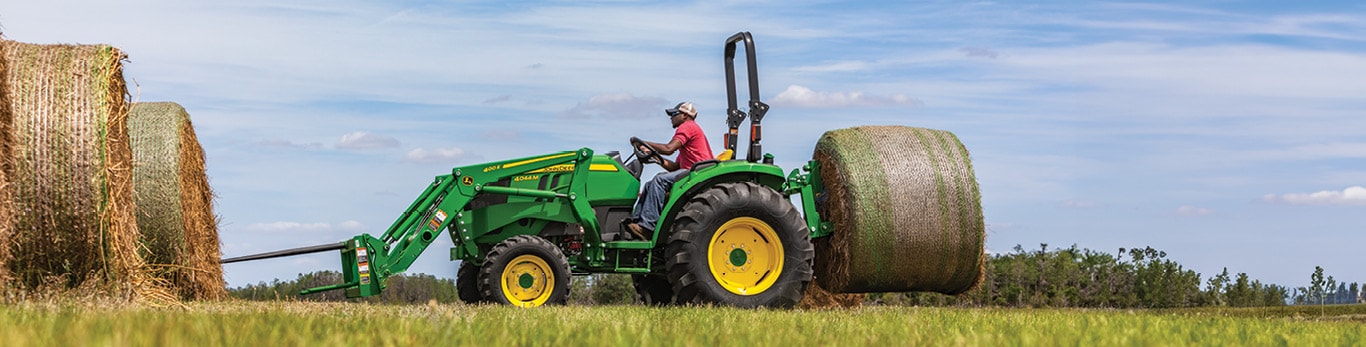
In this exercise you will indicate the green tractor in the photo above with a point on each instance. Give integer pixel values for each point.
(883, 209)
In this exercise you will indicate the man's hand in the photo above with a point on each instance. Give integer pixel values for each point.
(668, 165)
(655, 151)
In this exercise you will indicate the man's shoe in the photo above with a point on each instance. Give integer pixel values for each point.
(637, 230)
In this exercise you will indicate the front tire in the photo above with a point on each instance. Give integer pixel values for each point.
(525, 271)
(740, 244)
(467, 285)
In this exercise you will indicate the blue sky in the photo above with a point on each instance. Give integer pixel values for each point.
(1229, 134)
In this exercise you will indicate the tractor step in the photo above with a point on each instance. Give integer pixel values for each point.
(630, 245)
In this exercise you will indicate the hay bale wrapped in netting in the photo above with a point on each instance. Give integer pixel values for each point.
(906, 210)
(71, 170)
(6, 204)
(175, 212)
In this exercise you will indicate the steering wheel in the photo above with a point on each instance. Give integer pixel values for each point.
(647, 155)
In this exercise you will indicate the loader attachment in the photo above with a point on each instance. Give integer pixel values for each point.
(445, 205)
(357, 278)
(286, 252)
(356, 255)
(806, 183)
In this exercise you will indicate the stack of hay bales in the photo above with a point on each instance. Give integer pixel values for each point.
(906, 210)
(69, 216)
(175, 216)
(70, 169)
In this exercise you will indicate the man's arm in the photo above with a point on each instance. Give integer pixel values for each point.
(668, 165)
(672, 146)
(666, 148)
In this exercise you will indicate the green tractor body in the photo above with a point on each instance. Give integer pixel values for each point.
(728, 233)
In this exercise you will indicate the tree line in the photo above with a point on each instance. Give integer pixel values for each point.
(402, 288)
(1065, 277)
(1072, 277)
(596, 289)
(1327, 291)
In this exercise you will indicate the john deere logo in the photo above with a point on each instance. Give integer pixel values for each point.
(469, 181)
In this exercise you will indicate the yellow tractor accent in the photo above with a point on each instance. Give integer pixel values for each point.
(745, 255)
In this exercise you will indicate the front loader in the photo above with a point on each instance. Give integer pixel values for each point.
(728, 234)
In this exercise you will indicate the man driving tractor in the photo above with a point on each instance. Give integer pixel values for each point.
(692, 147)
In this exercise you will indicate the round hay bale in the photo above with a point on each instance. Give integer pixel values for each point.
(175, 211)
(906, 210)
(71, 170)
(6, 204)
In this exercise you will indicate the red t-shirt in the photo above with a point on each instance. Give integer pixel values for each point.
(695, 146)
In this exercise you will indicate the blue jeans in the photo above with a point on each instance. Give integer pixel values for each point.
(651, 200)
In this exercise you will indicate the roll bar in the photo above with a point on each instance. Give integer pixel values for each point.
(757, 108)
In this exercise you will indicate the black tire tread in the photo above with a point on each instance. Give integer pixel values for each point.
(653, 290)
(467, 284)
(504, 251)
(726, 198)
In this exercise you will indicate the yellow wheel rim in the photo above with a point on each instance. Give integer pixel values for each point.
(745, 255)
(528, 281)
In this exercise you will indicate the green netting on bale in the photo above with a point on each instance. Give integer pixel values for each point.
(153, 130)
(179, 229)
(906, 210)
(71, 169)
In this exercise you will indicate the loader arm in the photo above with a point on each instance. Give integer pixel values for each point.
(367, 261)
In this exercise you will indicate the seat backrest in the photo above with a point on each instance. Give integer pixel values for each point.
(725, 155)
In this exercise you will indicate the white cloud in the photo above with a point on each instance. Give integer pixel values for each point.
(289, 144)
(286, 227)
(500, 135)
(361, 140)
(1078, 204)
(436, 155)
(1336, 150)
(306, 227)
(840, 66)
(1238, 70)
(351, 225)
(305, 261)
(799, 96)
(996, 227)
(1354, 195)
(979, 52)
(1193, 211)
(617, 105)
(1334, 26)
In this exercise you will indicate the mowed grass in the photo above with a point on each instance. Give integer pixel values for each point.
(346, 324)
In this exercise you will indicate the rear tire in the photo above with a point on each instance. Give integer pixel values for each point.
(653, 290)
(525, 271)
(467, 284)
(740, 244)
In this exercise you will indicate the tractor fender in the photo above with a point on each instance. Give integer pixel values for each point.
(698, 181)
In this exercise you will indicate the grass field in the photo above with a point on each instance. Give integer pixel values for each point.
(292, 324)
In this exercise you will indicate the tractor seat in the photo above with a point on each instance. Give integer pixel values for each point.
(724, 156)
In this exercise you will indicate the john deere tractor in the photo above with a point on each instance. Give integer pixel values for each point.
(887, 208)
